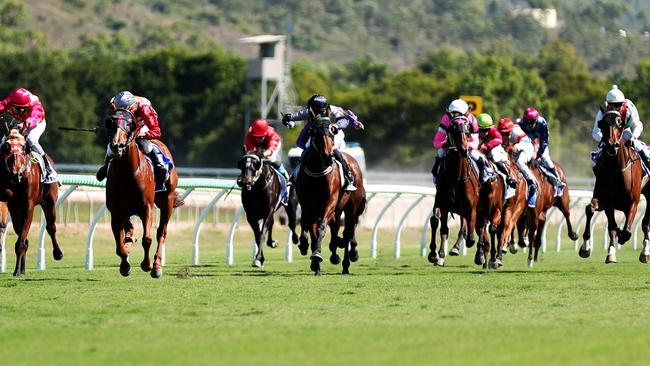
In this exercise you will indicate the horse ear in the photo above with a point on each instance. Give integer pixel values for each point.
(243, 149)
(602, 109)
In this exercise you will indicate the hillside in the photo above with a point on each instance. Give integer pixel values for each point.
(399, 33)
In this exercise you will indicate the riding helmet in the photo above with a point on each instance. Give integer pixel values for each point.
(20, 97)
(318, 104)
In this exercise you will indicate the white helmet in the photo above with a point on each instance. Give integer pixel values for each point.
(459, 106)
(123, 100)
(615, 95)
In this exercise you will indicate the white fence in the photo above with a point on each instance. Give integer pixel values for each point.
(392, 206)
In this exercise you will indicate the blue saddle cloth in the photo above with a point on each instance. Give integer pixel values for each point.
(284, 192)
(160, 184)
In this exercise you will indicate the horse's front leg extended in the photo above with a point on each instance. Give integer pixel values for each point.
(254, 222)
(335, 241)
(268, 231)
(630, 215)
(147, 220)
(438, 215)
(587, 245)
(612, 228)
(317, 232)
(117, 225)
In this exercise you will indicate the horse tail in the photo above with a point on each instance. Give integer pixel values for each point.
(178, 201)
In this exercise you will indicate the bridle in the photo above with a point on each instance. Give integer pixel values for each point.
(317, 129)
(16, 143)
(613, 120)
(124, 120)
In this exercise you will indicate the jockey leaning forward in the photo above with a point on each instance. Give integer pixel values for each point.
(318, 106)
(523, 150)
(490, 141)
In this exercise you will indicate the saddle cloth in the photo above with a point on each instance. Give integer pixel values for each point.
(38, 159)
(284, 192)
(160, 184)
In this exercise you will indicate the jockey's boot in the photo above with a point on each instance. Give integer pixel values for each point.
(103, 170)
(350, 187)
(557, 182)
(504, 169)
(532, 192)
(435, 170)
(645, 158)
(160, 170)
(286, 175)
(486, 174)
(49, 169)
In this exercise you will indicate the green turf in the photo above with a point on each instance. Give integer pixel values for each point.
(390, 311)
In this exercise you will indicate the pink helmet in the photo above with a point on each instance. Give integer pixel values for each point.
(259, 127)
(531, 114)
(20, 97)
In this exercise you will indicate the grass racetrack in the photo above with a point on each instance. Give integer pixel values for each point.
(390, 311)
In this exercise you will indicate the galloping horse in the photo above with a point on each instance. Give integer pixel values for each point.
(458, 190)
(513, 209)
(619, 184)
(322, 198)
(21, 187)
(536, 216)
(130, 190)
(260, 197)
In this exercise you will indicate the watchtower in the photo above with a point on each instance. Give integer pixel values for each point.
(271, 65)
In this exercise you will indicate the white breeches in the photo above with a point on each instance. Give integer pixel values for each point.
(498, 154)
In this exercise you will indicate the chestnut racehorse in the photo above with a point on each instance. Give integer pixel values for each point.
(260, 197)
(322, 198)
(457, 190)
(130, 190)
(21, 187)
(619, 184)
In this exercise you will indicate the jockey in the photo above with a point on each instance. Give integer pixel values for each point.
(458, 108)
(490, 142)
(263, 137)
(144, 113)
(25, 108)
(616, 101)
(536, 127)
(318, 106)
(523, 148)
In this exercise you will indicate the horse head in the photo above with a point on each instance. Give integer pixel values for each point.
(611, 125)
(458, 135)
(14, 154)
(321, 133)
(123, 130)
(251, 169)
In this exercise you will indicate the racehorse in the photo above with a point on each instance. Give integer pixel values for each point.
(322, 199)
(22, 188)
(130, 190)
(513, 210)
(619, 184)
(536, 216)
(260, 197)
(457, 191)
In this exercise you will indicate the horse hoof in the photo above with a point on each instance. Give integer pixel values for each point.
(315, 266)
(440, 262)
(156, 273)
(18, 274)
(573, 236)
(492, 265)
(257, 263)
(354, 255)
(644, 258)
(295, 239)
(469, 243)
(58, 255)
(432, 257)
(316, 257)
(584, 253)
(512, 249)
(146, 266)
(610, 259)
(125, 268)
(498, 263)
(345, 271)
(531, 263)
(479, 260)
(303, 251)
(273, 244)
(454, 251)
(335, 259)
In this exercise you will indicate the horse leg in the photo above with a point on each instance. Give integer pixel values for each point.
(290, 209)
(147, 220)
(350, 252)
(305, 229)
(121, 249)
(479, 257)
(532, 230)
(444, 237)
(254, 222)
(268, 227)
(522, 231)
(612, 228)
(23, 244)
(538, 236)
(630, 215)
(644, 256)
(587, 246)
(563, 205)
(129, 240)
(166, 208)
(335, 240)
(495, 261)
(460, 241)
(50, 225)
(435, 221)
(17, 223)
(317, 233)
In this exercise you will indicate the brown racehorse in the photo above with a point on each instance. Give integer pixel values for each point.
(490, 211)
(130, 190)
(322, 198)
(619, 184)
(22, 189)
(260, 197)
(536, 216)
(457, 190)
(513, 209)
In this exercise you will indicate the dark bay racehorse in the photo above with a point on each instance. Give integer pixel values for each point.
(619, 184)
(457, 191)
(260, 197)
(22, 189)
(490, 211)
(322, 198)
(536, 216)
(130, 190)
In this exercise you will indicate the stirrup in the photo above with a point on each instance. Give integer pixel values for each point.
(350, 187)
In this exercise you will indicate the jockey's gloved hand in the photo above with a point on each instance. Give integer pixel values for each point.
(286, 120)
